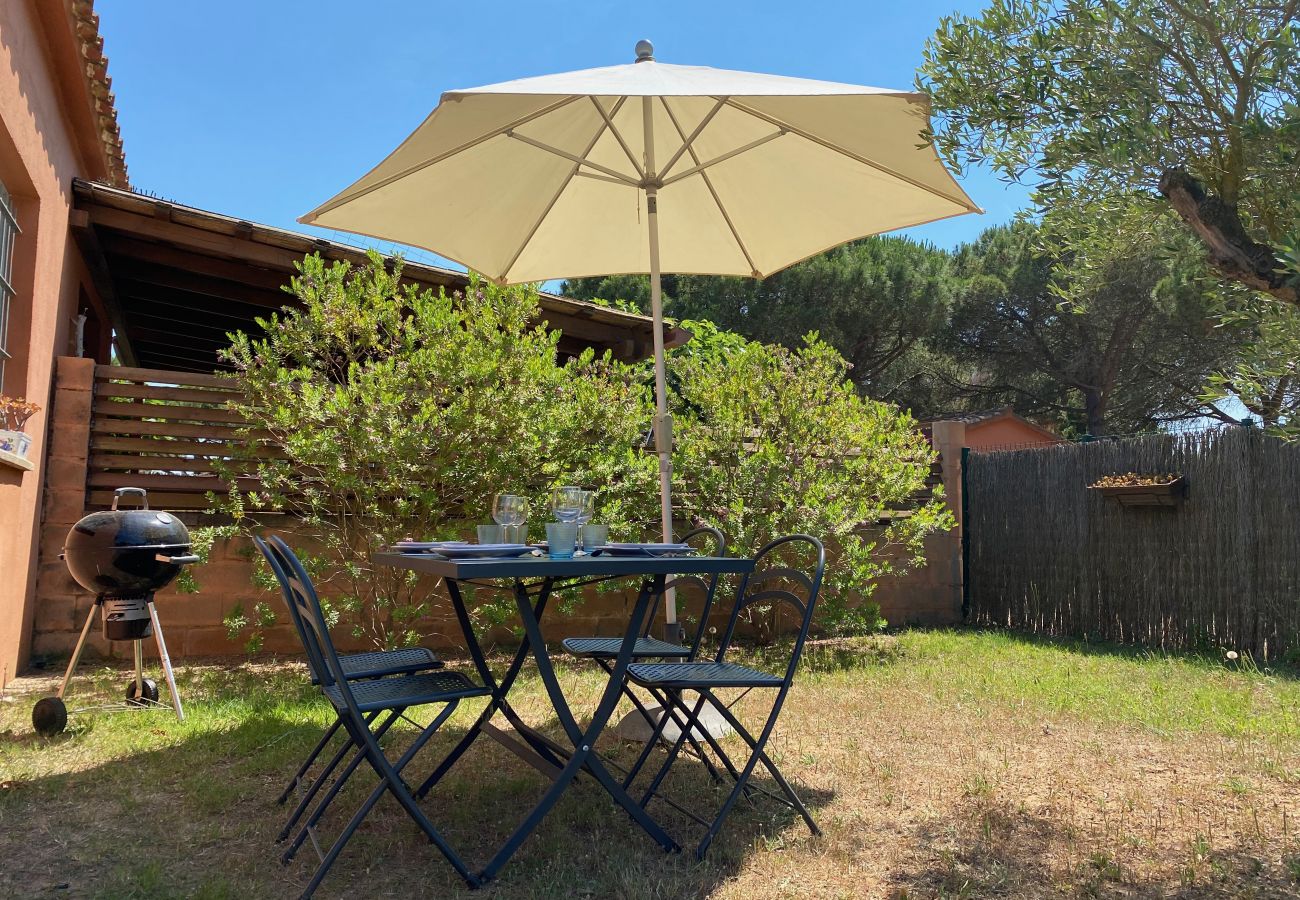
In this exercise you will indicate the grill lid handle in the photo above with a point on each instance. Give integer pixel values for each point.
(123, 491)
(176, 560)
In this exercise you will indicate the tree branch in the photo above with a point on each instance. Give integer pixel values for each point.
(1231, 251)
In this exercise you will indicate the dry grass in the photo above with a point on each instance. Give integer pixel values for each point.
(940, 764)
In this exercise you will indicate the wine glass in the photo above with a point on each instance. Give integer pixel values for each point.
(585, 513)
(509, 509)
(566, 503)
(518, 522)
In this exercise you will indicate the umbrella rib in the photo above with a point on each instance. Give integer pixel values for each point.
(594, 177)
(556, 198)
(571, 157)
(695, 170)
(856, 157)
(713, 192)
(411, 170)
(688, 141)
(618, 136)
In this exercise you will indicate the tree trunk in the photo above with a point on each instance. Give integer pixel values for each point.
(1094, 407)
(1231, 251)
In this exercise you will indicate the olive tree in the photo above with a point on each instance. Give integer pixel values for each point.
(1094, 101)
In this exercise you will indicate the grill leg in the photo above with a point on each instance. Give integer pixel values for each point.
(81, 644)
(139, 667)
(166, 661)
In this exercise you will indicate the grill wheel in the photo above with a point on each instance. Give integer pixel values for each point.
(150, 693)
(50, 716)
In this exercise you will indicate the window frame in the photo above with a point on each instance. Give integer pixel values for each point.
(9, 232)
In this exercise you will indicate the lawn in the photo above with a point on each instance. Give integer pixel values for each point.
(939, 764)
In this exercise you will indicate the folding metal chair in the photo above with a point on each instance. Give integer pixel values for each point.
(357, 666)
(360, 704)
(773, 582)
(709, 542)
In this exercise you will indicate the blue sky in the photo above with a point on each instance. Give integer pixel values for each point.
(261, 110)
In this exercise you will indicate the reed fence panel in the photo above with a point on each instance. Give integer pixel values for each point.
(1219, 570)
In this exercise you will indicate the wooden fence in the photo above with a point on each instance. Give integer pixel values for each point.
(1220, 569)
(163, 431)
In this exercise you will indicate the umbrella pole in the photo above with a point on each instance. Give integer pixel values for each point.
(663, 425)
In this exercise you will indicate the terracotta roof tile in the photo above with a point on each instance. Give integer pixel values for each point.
(95, 66)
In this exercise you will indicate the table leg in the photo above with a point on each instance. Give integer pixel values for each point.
(498, 689)
(583, 741)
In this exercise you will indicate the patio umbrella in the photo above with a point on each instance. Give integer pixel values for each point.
(651, 167)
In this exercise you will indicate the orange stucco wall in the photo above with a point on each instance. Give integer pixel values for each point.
(39, 157)
(1005, 434)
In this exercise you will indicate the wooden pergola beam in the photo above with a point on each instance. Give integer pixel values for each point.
(211, 273)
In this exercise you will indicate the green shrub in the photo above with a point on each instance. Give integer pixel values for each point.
(400, 412)
(772, 441)
(381, 411)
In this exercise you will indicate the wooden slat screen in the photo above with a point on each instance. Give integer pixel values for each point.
(162, 431)
(166, 431)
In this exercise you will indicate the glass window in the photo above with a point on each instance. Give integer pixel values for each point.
(8, 234)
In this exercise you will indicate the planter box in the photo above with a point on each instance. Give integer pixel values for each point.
(15, 442)
(1169, 493)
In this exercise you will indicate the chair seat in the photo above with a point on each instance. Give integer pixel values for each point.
(380, 663)
(408, 690)
(700, 675)
(607, 648)
(389, 662)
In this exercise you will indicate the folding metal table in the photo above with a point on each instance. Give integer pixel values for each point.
(533, 580)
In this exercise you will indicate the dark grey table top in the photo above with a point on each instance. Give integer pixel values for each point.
(533, 567)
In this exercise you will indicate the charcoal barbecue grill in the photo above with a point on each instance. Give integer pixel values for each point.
(124, 556)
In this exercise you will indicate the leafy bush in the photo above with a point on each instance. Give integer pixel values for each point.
(395, 412)
(381, 411)
(772, 441)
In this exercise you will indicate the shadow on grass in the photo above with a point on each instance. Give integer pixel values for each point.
(196, 817)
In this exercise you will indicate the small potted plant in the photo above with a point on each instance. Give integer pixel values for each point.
(1135, 489)
(14, 413)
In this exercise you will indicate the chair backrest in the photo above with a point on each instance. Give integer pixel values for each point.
(317, 633)
(708, 541)
(777, 580)
(280, 569)
(319, 644)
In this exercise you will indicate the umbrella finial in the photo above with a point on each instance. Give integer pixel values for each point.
(645, 51)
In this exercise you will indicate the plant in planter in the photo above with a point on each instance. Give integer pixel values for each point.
(14, 413)
(1136, 489)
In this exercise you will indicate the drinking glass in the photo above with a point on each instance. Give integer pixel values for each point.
(566, 503)
(593, 536)
(561, 538)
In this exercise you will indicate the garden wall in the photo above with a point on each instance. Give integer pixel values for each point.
(1219, 568)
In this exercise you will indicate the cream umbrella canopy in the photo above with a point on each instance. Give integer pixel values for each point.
(650, 167)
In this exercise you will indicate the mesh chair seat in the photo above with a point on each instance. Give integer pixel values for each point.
(700, 675)
(410, 690)
(389, 662)
(607, 648)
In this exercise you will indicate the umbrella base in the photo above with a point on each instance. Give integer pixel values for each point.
(636, 727)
